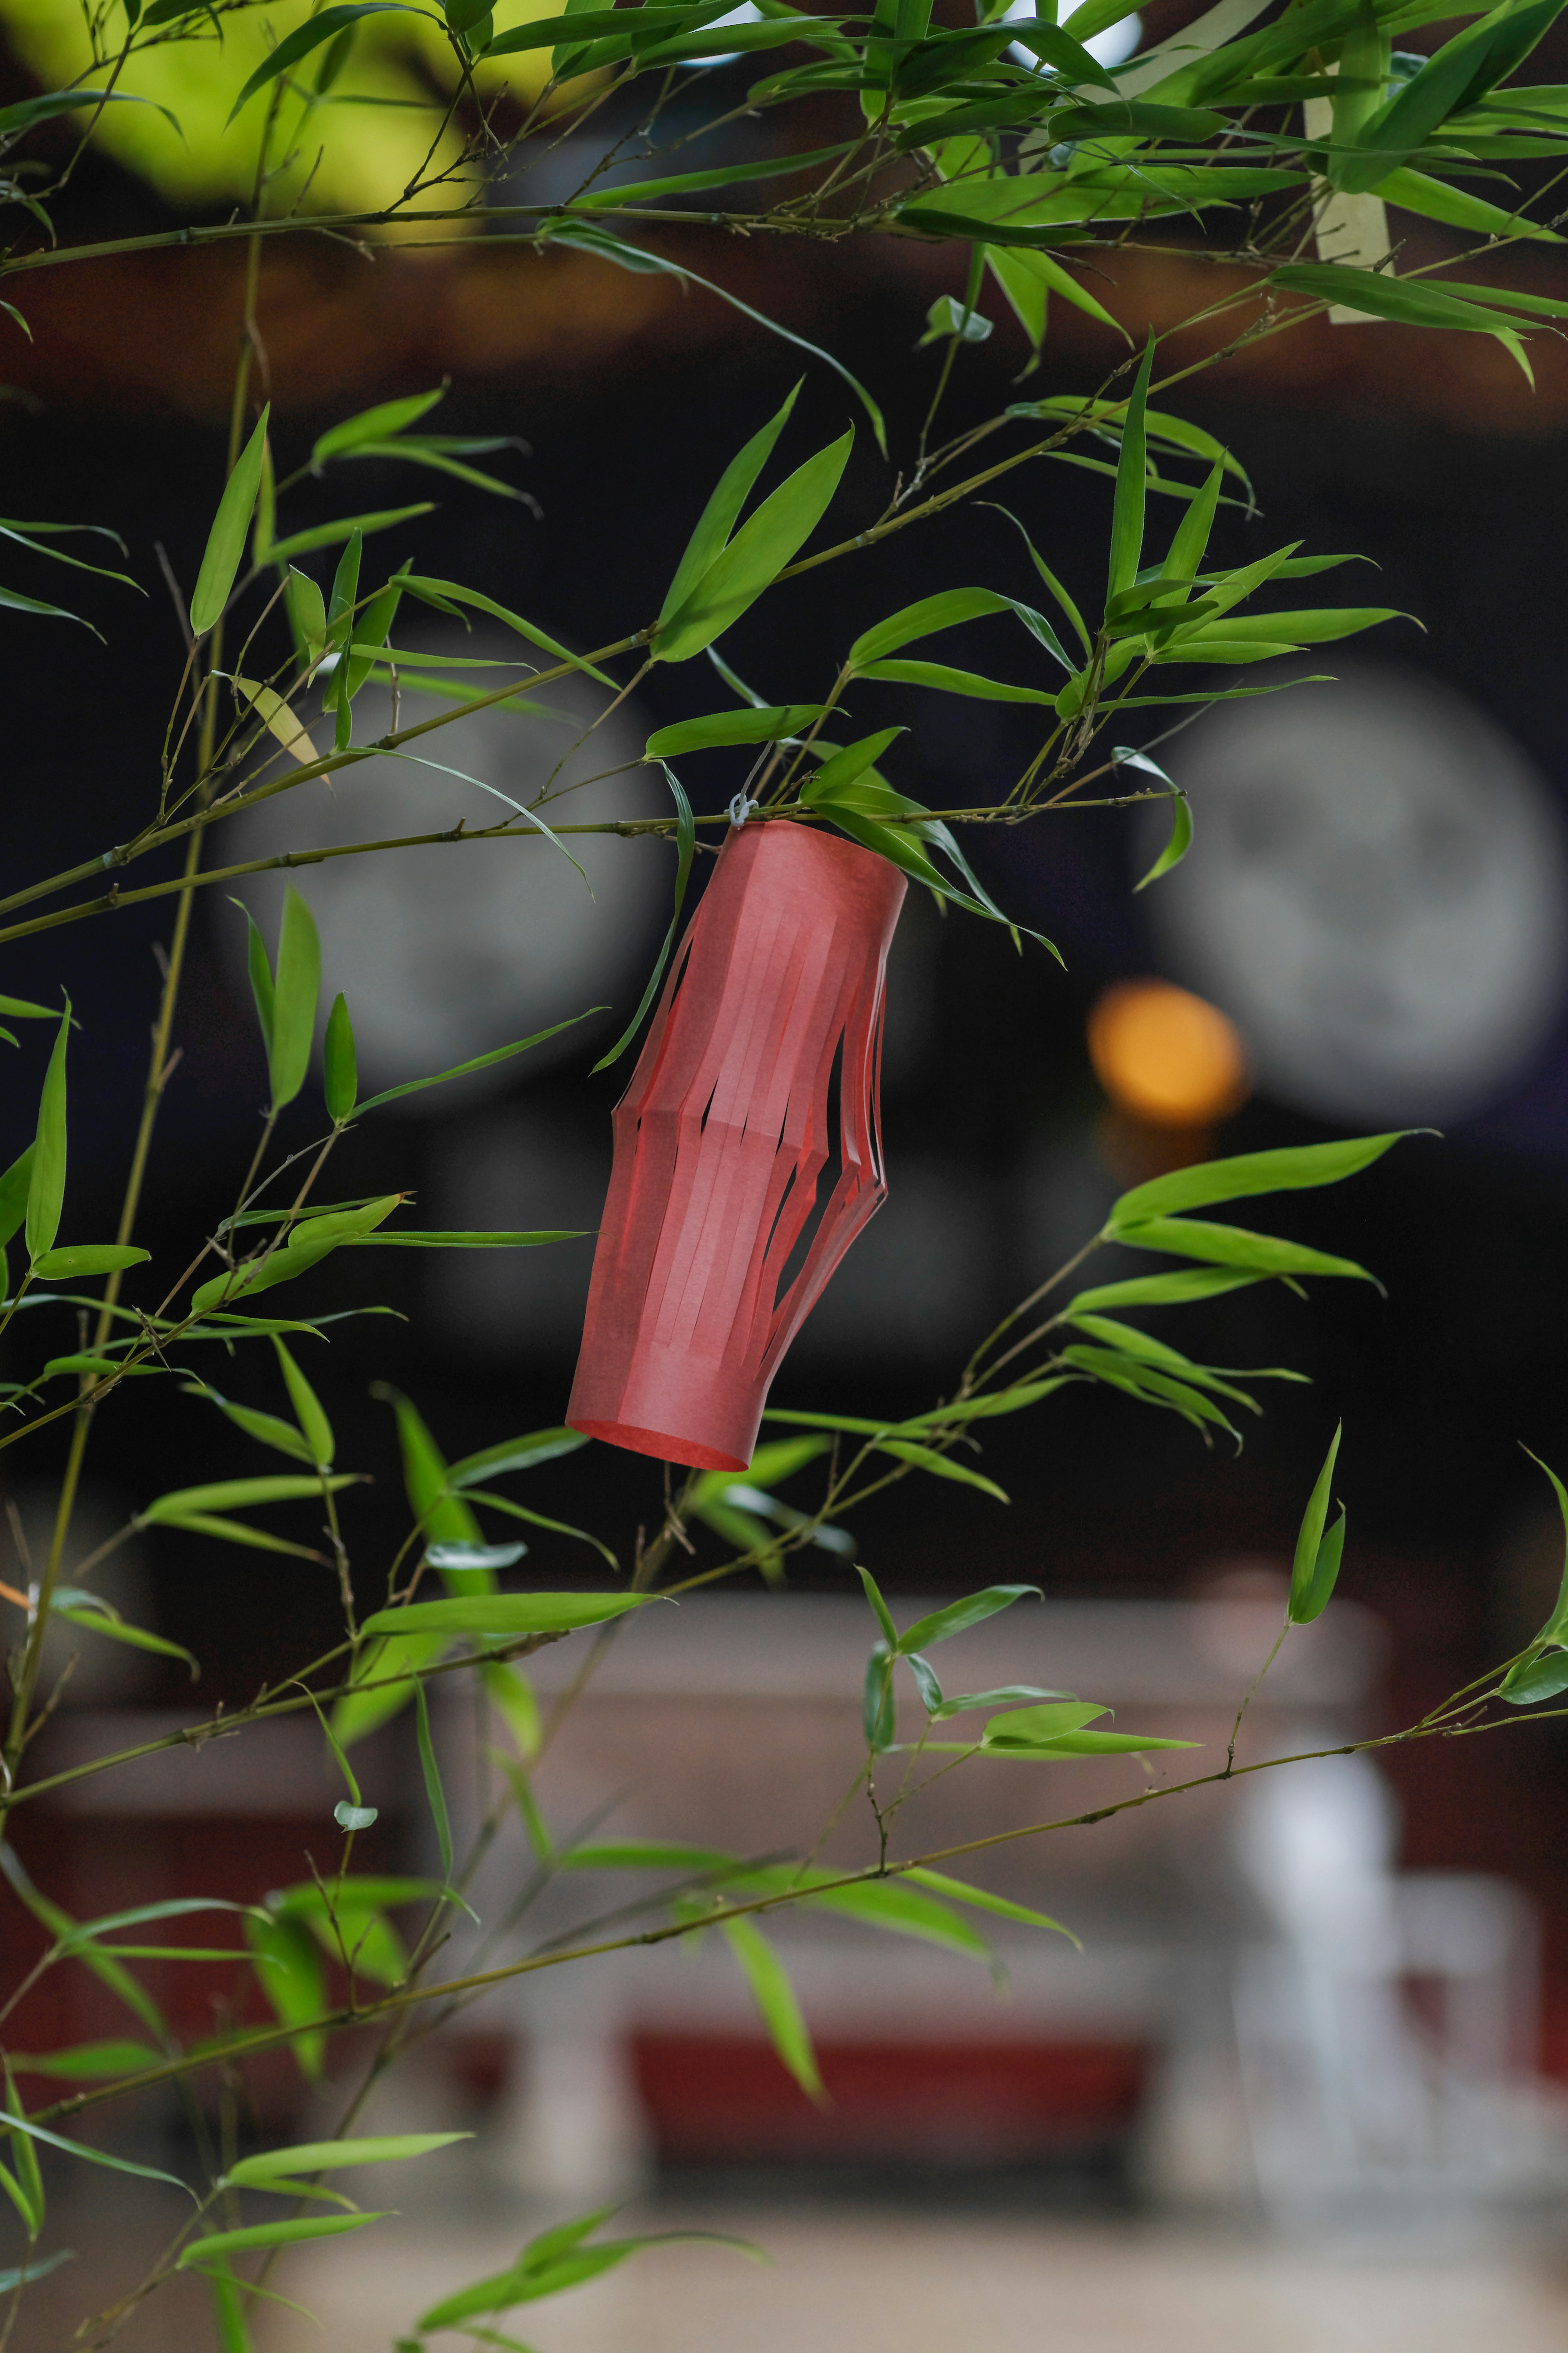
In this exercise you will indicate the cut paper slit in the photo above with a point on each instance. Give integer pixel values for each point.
(748, 1148)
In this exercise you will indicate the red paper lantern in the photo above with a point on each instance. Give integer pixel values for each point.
(705, 1269)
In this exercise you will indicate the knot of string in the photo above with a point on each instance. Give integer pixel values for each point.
(740, 810)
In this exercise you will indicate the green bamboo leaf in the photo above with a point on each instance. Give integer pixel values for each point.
(720, 516)
(220, 2245)
(436, 1795)
(1127, 516)
(1417, 192)
(83, 1259)
(310, 35)
(924, 619)
(443, 1518)
(873, 1592)
(314, 1426)
(943, 1624)
(87, 2063)
(962, 1703)
(958, 1890)
(101, 1619)
(267, 1429)
(770, 724)
(845, 767)
(32, 2202)
(480, 1061)
(343, 600)
(416, 1238)
(1190, 544)
(230, 2309)
(340, 1067)
(944, 679)
(926, 1683)
(1535, 1677)
(1049, 578)
(351, 529)
(290, 1973)
(312, 1240)
(1295, 1167)
(46, 1179)
(1160, 1289)
(1319, 627)
(1542, 1677)
(1179, 842)
(686, 844)
(537, 1519)
(1033, 1725)
(503, 1617)
(1325, 1575)
(1455, 75)
(381, 423)
(1234, 1246)
(23, 2124)
(61, 1925)
(1150, 1386)
(258, 966)
(941, 1466)
(885, 1904)
(980, 1409)
(1416, 302)
(225, 540)
(754, 558)
(297, 987)
(307, 616)
(235, 1494)
(436, 451)
(333, 2155)
(209, 1524)
(515, 1454)
(1084, 1744)
(591, 238)
(83, 1361)
(1556, 1627)
(777, 2005)
(15, 1186)
(1310, 1540)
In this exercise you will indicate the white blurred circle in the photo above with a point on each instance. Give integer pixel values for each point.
(447, 952)
(1375, 895)
(1112, 48)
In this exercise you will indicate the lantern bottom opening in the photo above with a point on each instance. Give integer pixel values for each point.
(662, 1445)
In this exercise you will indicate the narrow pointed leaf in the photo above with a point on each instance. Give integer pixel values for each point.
(722, 511)
(340, 1067)
(502, 1617)
(1309, 1536)
(943, 1624)
(333, 2155)
(220, 2245)
(776, 2003)
(225, 540)
(46, 1181)
(1127, 516)
(755, 556)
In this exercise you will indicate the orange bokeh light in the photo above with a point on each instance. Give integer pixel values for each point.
(1165, 1056)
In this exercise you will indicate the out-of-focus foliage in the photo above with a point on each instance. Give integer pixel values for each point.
(352, 147)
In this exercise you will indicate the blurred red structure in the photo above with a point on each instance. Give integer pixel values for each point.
(710, 2097)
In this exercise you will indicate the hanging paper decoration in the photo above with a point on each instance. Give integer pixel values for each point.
(709, 1260)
